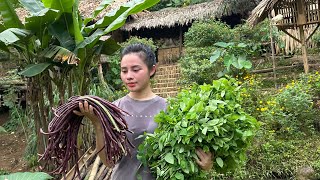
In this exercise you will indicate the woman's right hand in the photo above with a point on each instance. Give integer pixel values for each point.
(86, 110)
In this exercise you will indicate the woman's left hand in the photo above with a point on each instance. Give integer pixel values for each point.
(205, 159)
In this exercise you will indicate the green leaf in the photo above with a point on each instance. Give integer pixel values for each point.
(77, 23)
(183, 132)
(242, 62)
(35, 69)
(242, 45)
(103, 4)
(246, 64)
(192, 166)
(213, 122)
(179, 175)
(60, 30)
(220, 74)
(2, 130)
(61, 5)
(33, 6)
(216, 54)
(107, 19)
(26, 175)
(135, 7)
(204, 130)
(110, 46)
(223, 93)
(90, 41)
(248, 133)
(9, 16)
(12, 35)
(169, 158)
(114, 21)
(228, 60)
(39, 22)
(219, 161)
(222, 44)
(216, 130)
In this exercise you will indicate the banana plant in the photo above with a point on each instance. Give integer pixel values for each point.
(58, 23)
(55, 36)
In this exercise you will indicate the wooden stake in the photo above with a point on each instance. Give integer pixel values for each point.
(304, 50)
(94, 168)
(273, 58)
(180, 40)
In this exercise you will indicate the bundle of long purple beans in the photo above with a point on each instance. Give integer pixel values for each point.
(64, 127)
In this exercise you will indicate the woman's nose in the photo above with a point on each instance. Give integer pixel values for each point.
(129, 75)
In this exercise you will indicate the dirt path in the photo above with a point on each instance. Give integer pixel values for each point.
(12, 148)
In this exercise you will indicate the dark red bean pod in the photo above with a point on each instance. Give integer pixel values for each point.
(64, 127)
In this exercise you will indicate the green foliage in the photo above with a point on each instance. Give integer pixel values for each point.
(196, 67)
(234, 57)
(175, 3)
(287, 141)
(259, 35)
(112, 74)
(26, 175)
(106, 92)
(3, 172)
(31, 154)
(289, 112)
(18, 117)
(207, 33)
(205, 116)
(273, 158)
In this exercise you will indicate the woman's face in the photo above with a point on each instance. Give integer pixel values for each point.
(135, 73)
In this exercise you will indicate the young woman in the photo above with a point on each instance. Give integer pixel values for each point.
(138, 66)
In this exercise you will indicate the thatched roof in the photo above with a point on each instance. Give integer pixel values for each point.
(169, 17)
(261, 11)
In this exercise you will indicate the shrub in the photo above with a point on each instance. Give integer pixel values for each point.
(207, 33)
(196, 67)
(259, 34)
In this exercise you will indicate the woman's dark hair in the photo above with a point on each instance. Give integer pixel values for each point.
(144, 51)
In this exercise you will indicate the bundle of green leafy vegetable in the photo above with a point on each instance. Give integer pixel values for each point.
(206, 116)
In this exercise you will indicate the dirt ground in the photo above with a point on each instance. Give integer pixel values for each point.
(12, 146)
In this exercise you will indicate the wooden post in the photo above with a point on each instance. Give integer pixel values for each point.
(304, 50)
(273, 58)
(302, 21)
(180, 41)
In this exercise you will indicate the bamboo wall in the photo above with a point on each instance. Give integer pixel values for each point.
(291, 45)
(169, 55)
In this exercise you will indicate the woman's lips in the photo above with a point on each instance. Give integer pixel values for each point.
(131, 84)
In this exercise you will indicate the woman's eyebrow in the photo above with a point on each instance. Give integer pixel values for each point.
(136, 66)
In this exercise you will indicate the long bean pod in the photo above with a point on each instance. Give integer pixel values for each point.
(64, 127)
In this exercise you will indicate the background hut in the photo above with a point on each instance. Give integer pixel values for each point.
(290, 14)
(167, 26)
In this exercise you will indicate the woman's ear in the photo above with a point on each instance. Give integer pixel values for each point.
(153, 70)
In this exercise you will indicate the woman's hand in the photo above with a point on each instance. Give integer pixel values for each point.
(205, 159)
(86, 110)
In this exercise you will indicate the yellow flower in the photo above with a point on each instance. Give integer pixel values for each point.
(263, 109)
(317, 72)
(272, 112)
(258, 109)
(260, 102)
